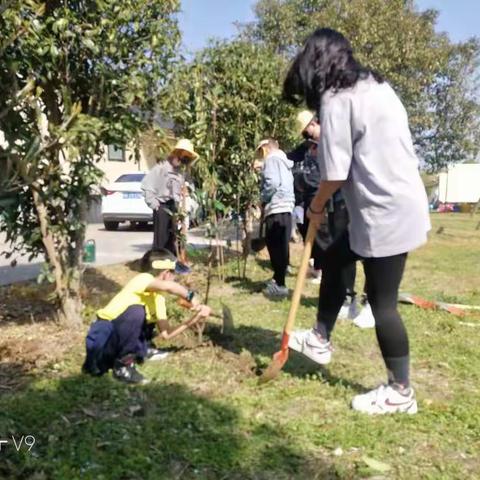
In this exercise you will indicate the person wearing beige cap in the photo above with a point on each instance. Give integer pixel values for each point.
(307, 179)
(278, 201)
(162, 188)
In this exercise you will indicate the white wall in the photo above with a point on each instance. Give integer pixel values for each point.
(460, 184)
(113, 169)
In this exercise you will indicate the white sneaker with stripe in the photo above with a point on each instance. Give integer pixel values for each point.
(385, 399)
(312, 345)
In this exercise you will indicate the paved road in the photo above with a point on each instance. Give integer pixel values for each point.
(111, 247)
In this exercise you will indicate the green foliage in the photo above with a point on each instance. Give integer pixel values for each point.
(455, 133)
(226, 100)
(400, 42)
(73, 75)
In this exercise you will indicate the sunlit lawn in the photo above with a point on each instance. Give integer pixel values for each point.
(204, 415)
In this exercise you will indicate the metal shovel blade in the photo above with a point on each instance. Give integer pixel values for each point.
(227, 318)
(278, 361)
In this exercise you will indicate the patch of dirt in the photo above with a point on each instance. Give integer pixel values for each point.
(24, 349)
(25, 303)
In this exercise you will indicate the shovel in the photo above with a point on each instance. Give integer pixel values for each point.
(281, 357)
(455, 309)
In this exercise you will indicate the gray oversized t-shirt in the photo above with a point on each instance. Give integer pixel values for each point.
(366, 141)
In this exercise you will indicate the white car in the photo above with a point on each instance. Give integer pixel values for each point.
(123, 201)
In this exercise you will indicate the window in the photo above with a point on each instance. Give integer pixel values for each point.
(130, 177)
(115, 154)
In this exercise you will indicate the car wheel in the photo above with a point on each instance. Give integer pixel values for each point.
(143, 225)
(111, 225)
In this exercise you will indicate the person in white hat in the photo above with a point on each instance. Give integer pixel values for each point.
(162, 188)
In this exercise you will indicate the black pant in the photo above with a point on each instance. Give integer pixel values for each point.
(278, 227)
(164, 229)
(338, 221)
(383, 277)
(322, 239)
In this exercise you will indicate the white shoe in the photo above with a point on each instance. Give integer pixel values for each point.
(315, 276)
(365, 318)
(310, 344)
(349, 310)
(275, 291)
(385, 399)
(156, 354)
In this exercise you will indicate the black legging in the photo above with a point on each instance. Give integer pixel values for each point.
(278, 228)
(383, 276)
(338, 221)
(322, 239)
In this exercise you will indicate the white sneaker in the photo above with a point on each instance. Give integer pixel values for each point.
(315, 276)
(156, 354)
(385, 399)
(310, 344)
(349, 310)
(365, 318)
(275, 291)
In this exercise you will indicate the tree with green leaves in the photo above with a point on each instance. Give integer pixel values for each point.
(73, 75)
(454, 136)
(400, 42)
(226, 100)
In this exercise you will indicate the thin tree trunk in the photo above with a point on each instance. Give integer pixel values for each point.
(248, 229)
(67, 280)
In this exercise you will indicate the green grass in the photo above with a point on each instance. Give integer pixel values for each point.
(204, 415)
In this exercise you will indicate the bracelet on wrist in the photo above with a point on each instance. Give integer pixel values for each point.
(314, 211)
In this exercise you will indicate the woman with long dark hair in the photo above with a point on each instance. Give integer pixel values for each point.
(366, 150)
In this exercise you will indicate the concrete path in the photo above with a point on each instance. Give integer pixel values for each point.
(123, 245)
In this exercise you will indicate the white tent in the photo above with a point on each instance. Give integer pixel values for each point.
(460, 184)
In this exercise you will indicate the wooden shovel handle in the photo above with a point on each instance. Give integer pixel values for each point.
(181, 328)
(300, 282)
(186, 304)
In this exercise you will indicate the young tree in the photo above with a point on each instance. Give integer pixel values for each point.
(73, 75)
(455, 133)
(227, 99)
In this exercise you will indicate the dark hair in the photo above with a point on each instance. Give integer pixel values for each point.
(325, 62)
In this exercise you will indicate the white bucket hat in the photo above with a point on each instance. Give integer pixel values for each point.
(186, 146)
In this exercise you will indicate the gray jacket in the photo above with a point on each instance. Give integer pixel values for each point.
(277, 184)
(162, 184)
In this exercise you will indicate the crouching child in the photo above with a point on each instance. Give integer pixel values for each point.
(119, 338)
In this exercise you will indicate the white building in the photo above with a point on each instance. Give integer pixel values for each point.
(460, 184)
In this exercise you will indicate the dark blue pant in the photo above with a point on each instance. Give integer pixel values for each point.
(129, 337)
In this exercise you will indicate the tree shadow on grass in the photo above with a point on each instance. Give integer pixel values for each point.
(94, 428)
(263, 343)
(13, 376)
(95, 281)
